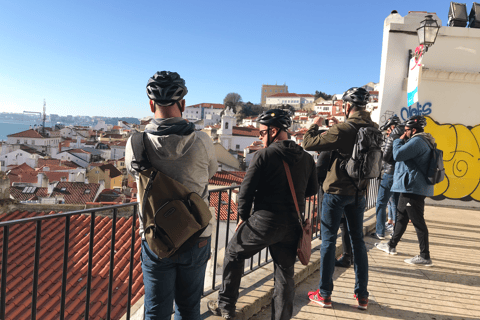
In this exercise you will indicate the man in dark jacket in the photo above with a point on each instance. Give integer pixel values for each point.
(341, 196)
(274, 222)
(384, 192)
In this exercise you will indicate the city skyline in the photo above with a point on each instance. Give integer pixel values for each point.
(95, 58)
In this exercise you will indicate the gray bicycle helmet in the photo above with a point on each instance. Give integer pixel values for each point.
(357, 96)
(416, 122)
(395, 120)
(166, 88)
(276, 118)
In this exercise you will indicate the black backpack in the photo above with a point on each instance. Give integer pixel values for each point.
(366, 160)
(436, 171)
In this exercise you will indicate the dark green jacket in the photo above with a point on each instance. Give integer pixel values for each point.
(340, 137)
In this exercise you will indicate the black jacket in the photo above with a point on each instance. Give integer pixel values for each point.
(387, 148)
(266, 186)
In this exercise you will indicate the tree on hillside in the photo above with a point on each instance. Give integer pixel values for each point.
(248, 110)
(325, 96)
(232, 100)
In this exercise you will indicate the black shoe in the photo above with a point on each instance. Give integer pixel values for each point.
(344, 262)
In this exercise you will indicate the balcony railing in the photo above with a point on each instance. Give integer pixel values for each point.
(15, 230)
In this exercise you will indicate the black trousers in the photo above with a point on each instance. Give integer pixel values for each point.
(279, 232)
(411, 207)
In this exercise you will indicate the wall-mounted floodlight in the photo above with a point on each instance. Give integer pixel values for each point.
(427, 32)
(474, 17)
(457, 15)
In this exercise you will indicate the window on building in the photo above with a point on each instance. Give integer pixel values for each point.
(226, 125)
(33, 142)
(237, 147)
(18, 141)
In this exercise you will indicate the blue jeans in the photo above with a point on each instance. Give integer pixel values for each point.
(392, 208)
(332, 209)
(180, 278)
(384, 194)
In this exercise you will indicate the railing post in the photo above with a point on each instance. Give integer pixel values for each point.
(65, 267)
(6, 231)
(112, 259)
(130, 271)
(89, 272)
(38, 234)
(215, 253)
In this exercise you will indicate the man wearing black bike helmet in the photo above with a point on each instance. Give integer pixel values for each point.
(274, 221)
(412, 154)
(187, 156)
(341, 196)
(384, 192)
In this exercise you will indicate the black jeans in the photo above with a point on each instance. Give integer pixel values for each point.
(280, 233)
(411, 206)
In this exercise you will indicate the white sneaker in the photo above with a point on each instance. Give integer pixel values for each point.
(419, 261)
(386, 248)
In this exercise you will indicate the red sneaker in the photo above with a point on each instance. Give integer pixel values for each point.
(362, 302)
(316, 297)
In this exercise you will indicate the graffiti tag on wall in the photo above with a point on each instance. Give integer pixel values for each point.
(405, 113)
(461, 159)
(416, 110)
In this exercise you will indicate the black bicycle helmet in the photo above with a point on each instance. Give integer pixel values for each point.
(416, 122)
(277, 118)
(357, 96)
(166, 88)
(395, 120)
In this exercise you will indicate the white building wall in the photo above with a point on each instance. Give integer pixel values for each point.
(448, 97)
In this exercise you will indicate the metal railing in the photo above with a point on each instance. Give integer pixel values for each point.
(311, 212)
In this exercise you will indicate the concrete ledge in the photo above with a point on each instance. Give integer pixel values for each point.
(256, 290)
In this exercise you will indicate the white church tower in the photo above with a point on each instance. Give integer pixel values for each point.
(225, 132)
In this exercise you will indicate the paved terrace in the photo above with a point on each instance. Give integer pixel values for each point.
(448, 290)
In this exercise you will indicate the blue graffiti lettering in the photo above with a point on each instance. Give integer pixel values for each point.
(417, 110)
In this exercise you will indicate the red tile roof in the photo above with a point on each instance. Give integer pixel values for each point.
(26, 134)
(56, 176)
(57, 163)
(34, 193)
(227, 178)
(245, 131)
(208, 105)
(223, 206)
(75, 192)
(20, 267)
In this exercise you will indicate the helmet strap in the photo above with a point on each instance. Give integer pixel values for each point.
(179, 108)
(272, 140)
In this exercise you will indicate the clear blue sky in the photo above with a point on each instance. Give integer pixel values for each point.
(95, 57)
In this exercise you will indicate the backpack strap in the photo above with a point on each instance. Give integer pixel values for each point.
(141, 161)
(432, 147)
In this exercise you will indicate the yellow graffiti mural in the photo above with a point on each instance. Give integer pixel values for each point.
(461, 158)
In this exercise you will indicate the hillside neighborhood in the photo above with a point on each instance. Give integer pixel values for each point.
(86, 164)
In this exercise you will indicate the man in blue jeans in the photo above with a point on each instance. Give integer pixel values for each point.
(341, 196)
(170, 141)
(384, 192)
